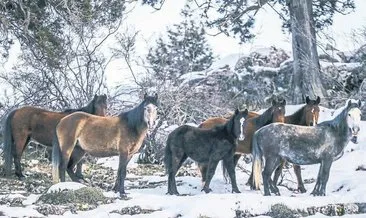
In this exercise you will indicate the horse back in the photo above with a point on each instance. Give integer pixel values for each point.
(200, 144)
(36, 123)
(212, 122)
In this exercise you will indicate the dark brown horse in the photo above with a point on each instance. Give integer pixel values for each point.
(102, 137)
(205, 146)
(211, 123)
(307, 115)
(28, 123)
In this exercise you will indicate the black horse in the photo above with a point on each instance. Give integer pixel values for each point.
(303, 146)
(205, 146)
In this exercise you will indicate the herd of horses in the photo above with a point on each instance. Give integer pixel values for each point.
(270, 137)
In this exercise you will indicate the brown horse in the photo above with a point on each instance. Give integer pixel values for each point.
(28, 123)
(102, 137)
(214, 121)
(307, 115)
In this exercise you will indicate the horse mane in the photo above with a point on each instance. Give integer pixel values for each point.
(229, 125)
(337, 121)
(295, 116)
(89, 108)
(263, 118)
(134, 117)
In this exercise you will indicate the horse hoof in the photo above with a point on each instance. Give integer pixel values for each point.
(235, 191)
(207, 190)
(124, 196)
(21, 177)
(301, 190)
(172, 193)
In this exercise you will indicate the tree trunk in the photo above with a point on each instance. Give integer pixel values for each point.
(306, 76)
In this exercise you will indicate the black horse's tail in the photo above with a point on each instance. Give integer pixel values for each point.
(257, 162)
(8, 144)
(168, 156)
(224, 172)
(56, 158)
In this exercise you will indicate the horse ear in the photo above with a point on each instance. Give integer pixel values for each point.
(317, 100)
(274, 102)
(236, 111)
(359, 102)
(246, 112)
(284, 102)
(145, 95)
(95, 96)
(307, 99)
(349, 103)
(156, 96)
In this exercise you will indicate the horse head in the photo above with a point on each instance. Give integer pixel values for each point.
(278, 110)
(354, 119)
(238, 123)
(150, 110)
(100, 104)
(312, 111)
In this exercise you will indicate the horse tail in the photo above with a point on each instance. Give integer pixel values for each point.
(168, 156)
(8, 144)
(224, 172)
(257, 163)
(56, 158)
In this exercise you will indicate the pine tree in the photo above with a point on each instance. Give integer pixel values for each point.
(185, 50)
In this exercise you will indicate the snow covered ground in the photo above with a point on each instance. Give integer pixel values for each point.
(345, 185)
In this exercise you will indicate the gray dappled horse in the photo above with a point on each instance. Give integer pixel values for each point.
(303, 146)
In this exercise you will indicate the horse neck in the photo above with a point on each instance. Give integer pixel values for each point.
(297, 118)
(340, 128)
(134, 118)
(89, 108)
(229, 127)
(264, 119)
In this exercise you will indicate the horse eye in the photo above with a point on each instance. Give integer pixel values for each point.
(349, 114)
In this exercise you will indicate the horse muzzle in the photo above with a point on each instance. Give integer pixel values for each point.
(354, 139)
(355, 131)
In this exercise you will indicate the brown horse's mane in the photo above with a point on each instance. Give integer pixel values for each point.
(297, 117)
(134, 117)
(89, 108)
(264, 119)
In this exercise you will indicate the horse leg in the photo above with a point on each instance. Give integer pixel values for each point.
(20, 145)
(323, 176)
(300, 184)
(79, 165)
(270, 165)
(75, 158)
(124, 158)
(229, 163)
(212, 164)
(278, 172)
(116, 186)
(235, 161)
(172, 186)
(203, 170)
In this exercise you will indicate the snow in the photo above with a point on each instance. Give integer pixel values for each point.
(345, 185)
(65, 186)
